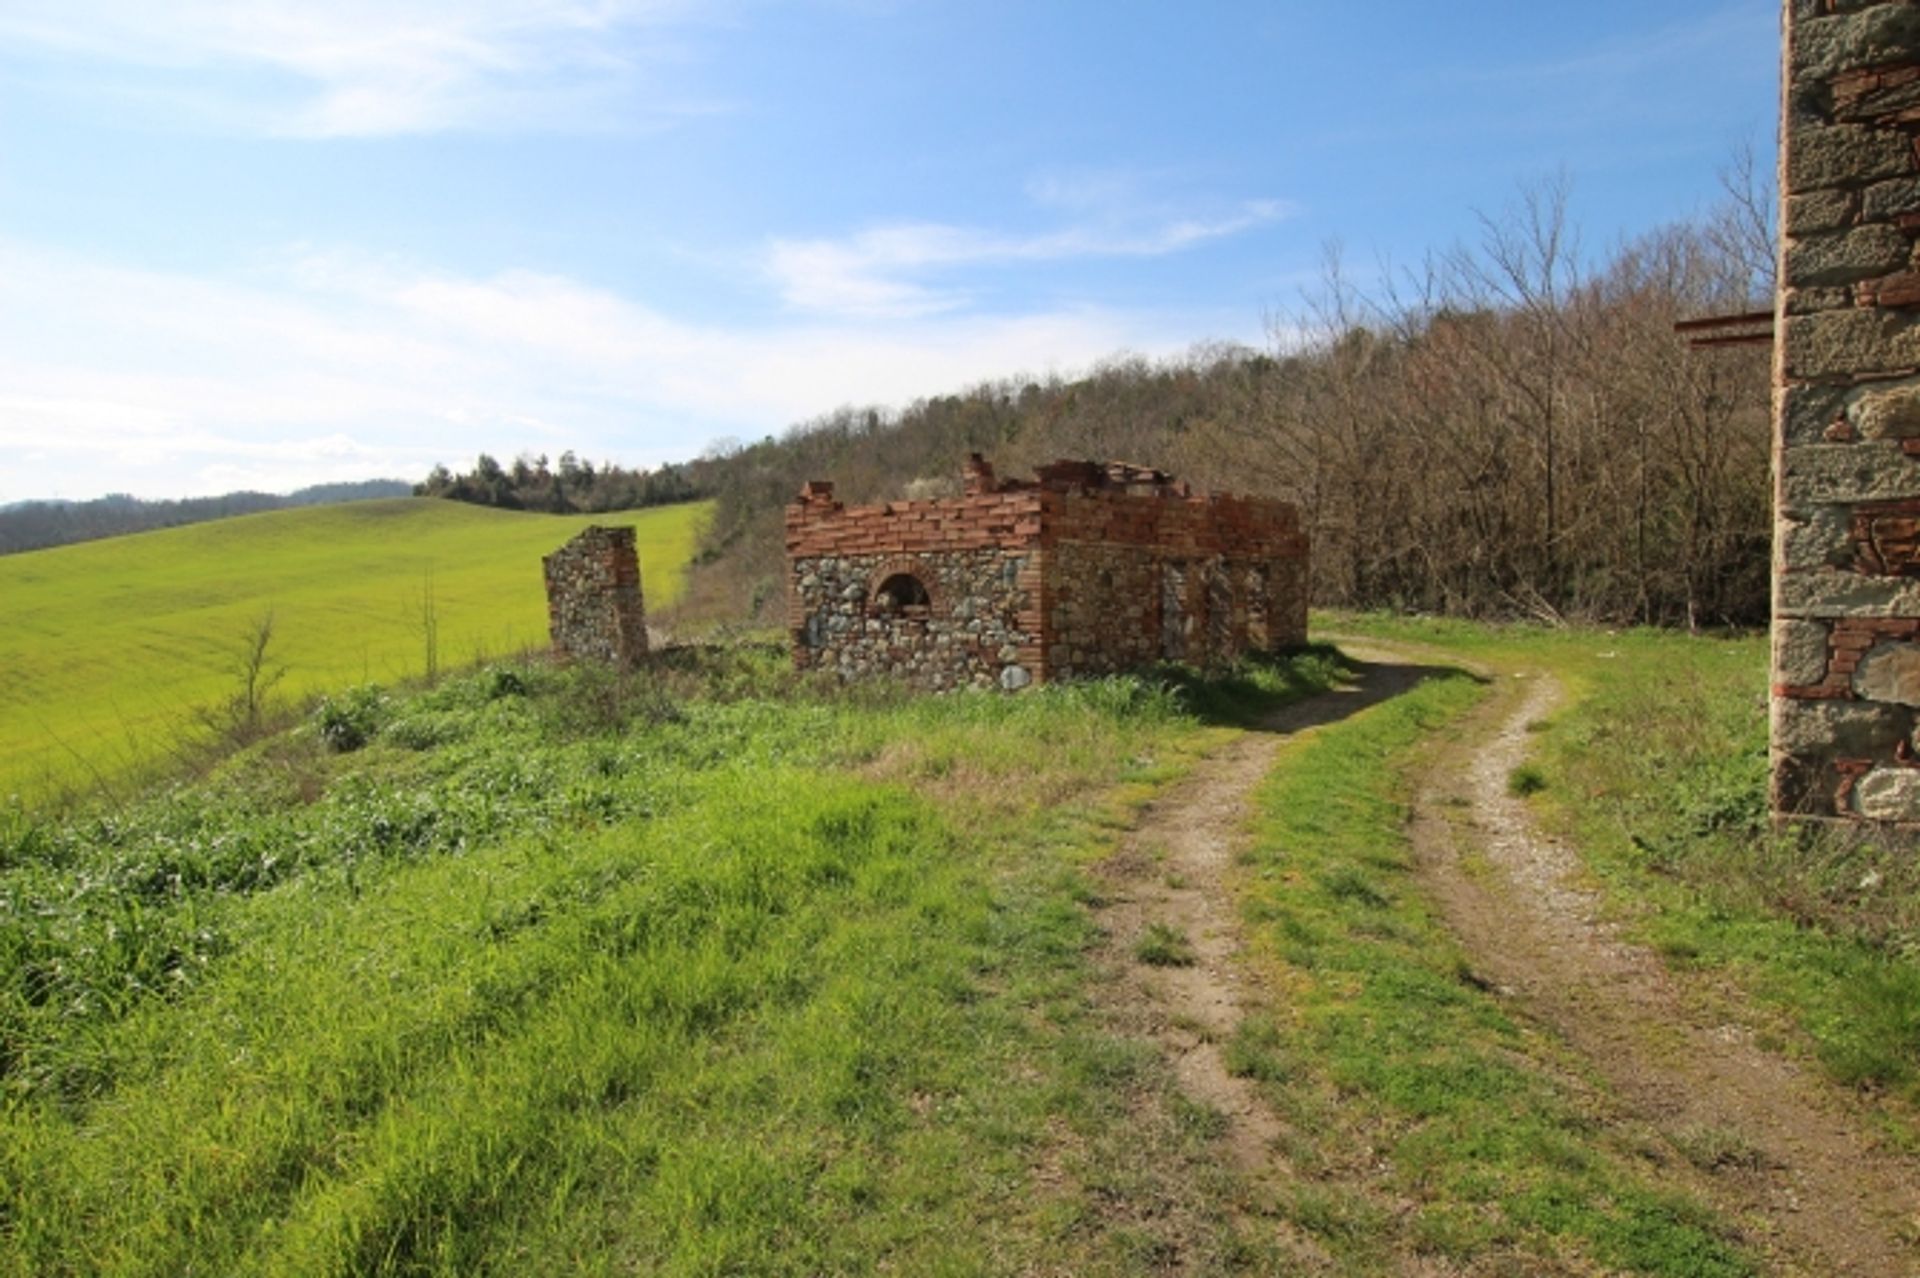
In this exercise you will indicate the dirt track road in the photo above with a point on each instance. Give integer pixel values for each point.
(1806, 1180)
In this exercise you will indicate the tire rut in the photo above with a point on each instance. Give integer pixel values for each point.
(1808, 1181)
(1173, 871)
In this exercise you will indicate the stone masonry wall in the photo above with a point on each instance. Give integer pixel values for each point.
(594, 606)
(978, 558)
(1846, 657)
(1089, 571)
(1135, 579)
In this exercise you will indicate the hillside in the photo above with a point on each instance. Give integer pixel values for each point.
(110, 648)
(716, 970)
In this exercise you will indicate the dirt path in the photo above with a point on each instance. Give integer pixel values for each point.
(1803, 1176)
(1170, 878)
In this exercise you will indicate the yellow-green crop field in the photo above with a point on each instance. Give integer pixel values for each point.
(110, 649)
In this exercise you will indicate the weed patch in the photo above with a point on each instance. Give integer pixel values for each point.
(1163, 946)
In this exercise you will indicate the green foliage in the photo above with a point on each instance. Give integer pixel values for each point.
(348, 721)
(1258, 683)
(1526, 780)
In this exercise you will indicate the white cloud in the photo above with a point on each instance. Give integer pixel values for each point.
(871, 273)
(367, 67)
(337, 365)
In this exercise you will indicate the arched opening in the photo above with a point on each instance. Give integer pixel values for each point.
(903, 595)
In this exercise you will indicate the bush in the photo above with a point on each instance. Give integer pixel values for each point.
(351, 720)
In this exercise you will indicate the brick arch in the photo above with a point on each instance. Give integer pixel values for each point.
(914, 566)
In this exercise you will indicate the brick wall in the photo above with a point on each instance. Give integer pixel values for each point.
(594, 605)
(1089, 569)
(1846, 657)
(1136, 577)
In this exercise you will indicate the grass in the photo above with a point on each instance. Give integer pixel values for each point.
(1657, 772)
(1163, 946)
(110, 648)
(718, 970)
(710, 972)
(1526, 780)
(1423, 1119)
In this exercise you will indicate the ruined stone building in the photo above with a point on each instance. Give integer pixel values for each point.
(1087, 569)
(1846, 652)
(594, 606)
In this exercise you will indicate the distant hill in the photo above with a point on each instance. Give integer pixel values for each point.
(110, 649)
(34, 525)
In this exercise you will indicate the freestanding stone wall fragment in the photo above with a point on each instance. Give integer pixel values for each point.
(1846, 634)
(594, 606)
(1089, 569)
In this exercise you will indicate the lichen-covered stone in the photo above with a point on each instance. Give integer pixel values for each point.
(1846, 257)
(1800, 652)
(1846, 344)
(1821, 473)
(1819, 211)
(1871, 35)
(1846, 155)
(1843, 594)
(1889, 413)
(1883, 201)
(1890, 672)
(1813, 539)
(1888, 794)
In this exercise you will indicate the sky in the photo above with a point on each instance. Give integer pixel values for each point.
(268, 243)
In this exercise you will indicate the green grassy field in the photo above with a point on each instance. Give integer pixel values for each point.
(717, 970)
(108, 649)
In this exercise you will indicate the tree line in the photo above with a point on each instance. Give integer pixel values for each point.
(1512, 428)
(574, 485)
(34, 525)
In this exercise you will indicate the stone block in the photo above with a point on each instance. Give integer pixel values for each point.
(1843, 155)
(1889, 413)
(1850, 344)
(1846, 257)
(1807, 412)
(1884, 201)
(1822, 47)
(1825, 729)
(1844, 594)
(1819, 211)
(1890, 672)
(1888, 794)
(1799, 652)
(1815, 538)
(1819, 474)
(1811, 301)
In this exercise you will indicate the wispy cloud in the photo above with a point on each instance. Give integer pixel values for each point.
(885, 271)
(367, 67)
(339, 365)
(1687, 41)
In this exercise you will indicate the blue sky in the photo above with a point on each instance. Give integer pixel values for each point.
(264, 243)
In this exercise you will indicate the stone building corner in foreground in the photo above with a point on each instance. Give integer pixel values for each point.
(1846, 590)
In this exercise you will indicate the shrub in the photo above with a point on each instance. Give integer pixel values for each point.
(350, 720)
